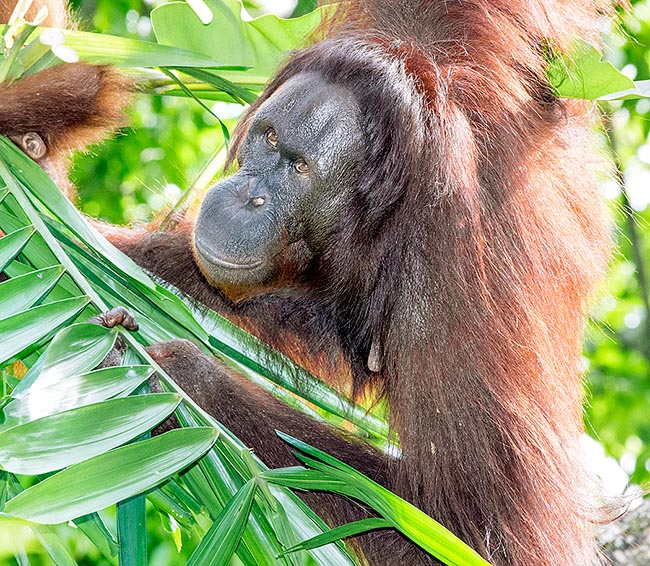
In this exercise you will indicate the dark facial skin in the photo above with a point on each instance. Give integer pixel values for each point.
(260, 228)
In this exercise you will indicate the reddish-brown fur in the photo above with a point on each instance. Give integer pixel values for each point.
(69, 106)
(57, 12)
(476, 238)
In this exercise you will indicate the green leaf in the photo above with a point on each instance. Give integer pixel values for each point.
(120, 51)
(72, 391)
(60, 440)
(585, 74)
(235, 91)
(261, 43)
(24, 330)
(106, 479)
(304, 7)
(54, 546)
(73, 351)
(98, 533)
(641, 90)
(13, 243)
(102, 49)
(132, 531)
(345, 480)
(44, 189)
(166, 503)
(220, 542)
(347, 530)
(20, 293)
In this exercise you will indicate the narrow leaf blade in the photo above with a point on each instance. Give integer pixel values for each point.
(106, 479)
(13, 243)
(219, 544)
(64, 439)
(20, 331)
(20, 293)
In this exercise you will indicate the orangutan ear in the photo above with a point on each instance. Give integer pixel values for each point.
(32, 144)
(374, 357)
(65, 108)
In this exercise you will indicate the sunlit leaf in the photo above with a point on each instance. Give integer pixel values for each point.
(260, 44)
(73, 351)
(347, 530)
(43, 188)
(126, 52)
(60, 440)
(219, 544)
(13, 243)
(641, 90)
(23, 330)
(106, 479)
(585, 74)
(74, 391)
(20, 293)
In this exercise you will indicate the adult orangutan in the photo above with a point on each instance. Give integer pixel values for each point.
(414, 212)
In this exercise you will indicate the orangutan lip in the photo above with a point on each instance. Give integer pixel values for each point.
(230, 265)
(222, 262)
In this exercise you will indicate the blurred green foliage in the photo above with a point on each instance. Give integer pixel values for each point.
(618, 348)
(144, 168)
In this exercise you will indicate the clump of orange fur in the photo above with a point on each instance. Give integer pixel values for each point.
(70, 106)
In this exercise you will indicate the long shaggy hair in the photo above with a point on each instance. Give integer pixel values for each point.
(466, 257)
(461, 266)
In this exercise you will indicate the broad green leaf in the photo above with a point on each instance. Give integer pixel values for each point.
(641, 90)
(73, 351)
(54, 442)
(347, 530)
(74, 391)
(13, 243)
(20, 293)
(585, 74)
(219, 544)
(106, 479)
(123, 52)
(261, 43)
(24, 330)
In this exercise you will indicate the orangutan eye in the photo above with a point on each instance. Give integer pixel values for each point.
(301, 166)
(271, 138)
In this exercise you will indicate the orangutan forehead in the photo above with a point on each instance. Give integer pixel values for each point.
(308, 112)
